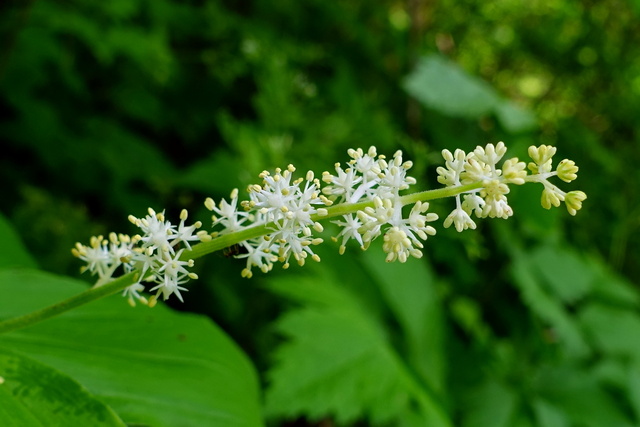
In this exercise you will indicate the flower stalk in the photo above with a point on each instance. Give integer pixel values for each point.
(278, 221)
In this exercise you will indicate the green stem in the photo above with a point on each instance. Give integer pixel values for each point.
(75, 301)
(214, 245)
(230, 239)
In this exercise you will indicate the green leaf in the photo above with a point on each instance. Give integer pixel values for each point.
(569, 276)
(33, 394)
(442, 85)
(582, 399)
(614, 330)
(491, 404)
(152, 366)
(547, 307)
(612, 288)
(12, 251)
(337, 361)
(548, 415)
(410, 291)
(513, 118)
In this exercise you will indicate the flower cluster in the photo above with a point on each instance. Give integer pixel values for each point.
(290, 209)
(154, 255)
(489, 199)
(286, 205)
(370, 178)
(278, 220)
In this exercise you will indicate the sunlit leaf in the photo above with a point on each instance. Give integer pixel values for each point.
(337, 362)
(152, 366)
(514, 118)
(445, 87)
(411, 292)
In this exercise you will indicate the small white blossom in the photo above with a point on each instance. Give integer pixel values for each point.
(226, 214)
(132, 293)
(350, 225)
(157, 233)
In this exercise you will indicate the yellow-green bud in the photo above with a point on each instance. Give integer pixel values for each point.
(513, 171)
(541, 154)
(550, 198)
(574, 200)
(567, 170)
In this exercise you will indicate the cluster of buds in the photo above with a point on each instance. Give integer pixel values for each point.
(281, 215)
(154, 255)
(490, 200)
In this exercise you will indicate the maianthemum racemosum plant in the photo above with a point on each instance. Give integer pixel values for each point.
(276, 224)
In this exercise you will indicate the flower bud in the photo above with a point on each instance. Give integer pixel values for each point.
(573, 200)
(567, 170)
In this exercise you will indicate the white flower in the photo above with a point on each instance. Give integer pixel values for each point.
(455, 164)
(343, 184)
(417, 222)
(132, 293)
(350, 227)
(460, 218)
(227, 213)
(184, 233)
(259, 253)
(170, 274)
(473, 203)
(169, 286)
(495, 200)
(490, 154)
(398, 246)
(157, 233)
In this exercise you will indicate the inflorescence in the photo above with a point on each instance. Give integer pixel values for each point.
(364, 196)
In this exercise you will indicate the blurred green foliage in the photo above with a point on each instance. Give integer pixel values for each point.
(108, 108)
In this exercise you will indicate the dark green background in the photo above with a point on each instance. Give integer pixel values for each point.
(107, 108)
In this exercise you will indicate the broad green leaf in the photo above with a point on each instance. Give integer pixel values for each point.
(568, 276)
(152, 366)
(411, 292)
(614, 330)
(513, 118)
(337, 361)
(444, 86)
(12, 251)
(34, 394)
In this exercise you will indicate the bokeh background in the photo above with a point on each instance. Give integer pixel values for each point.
(108, 108)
